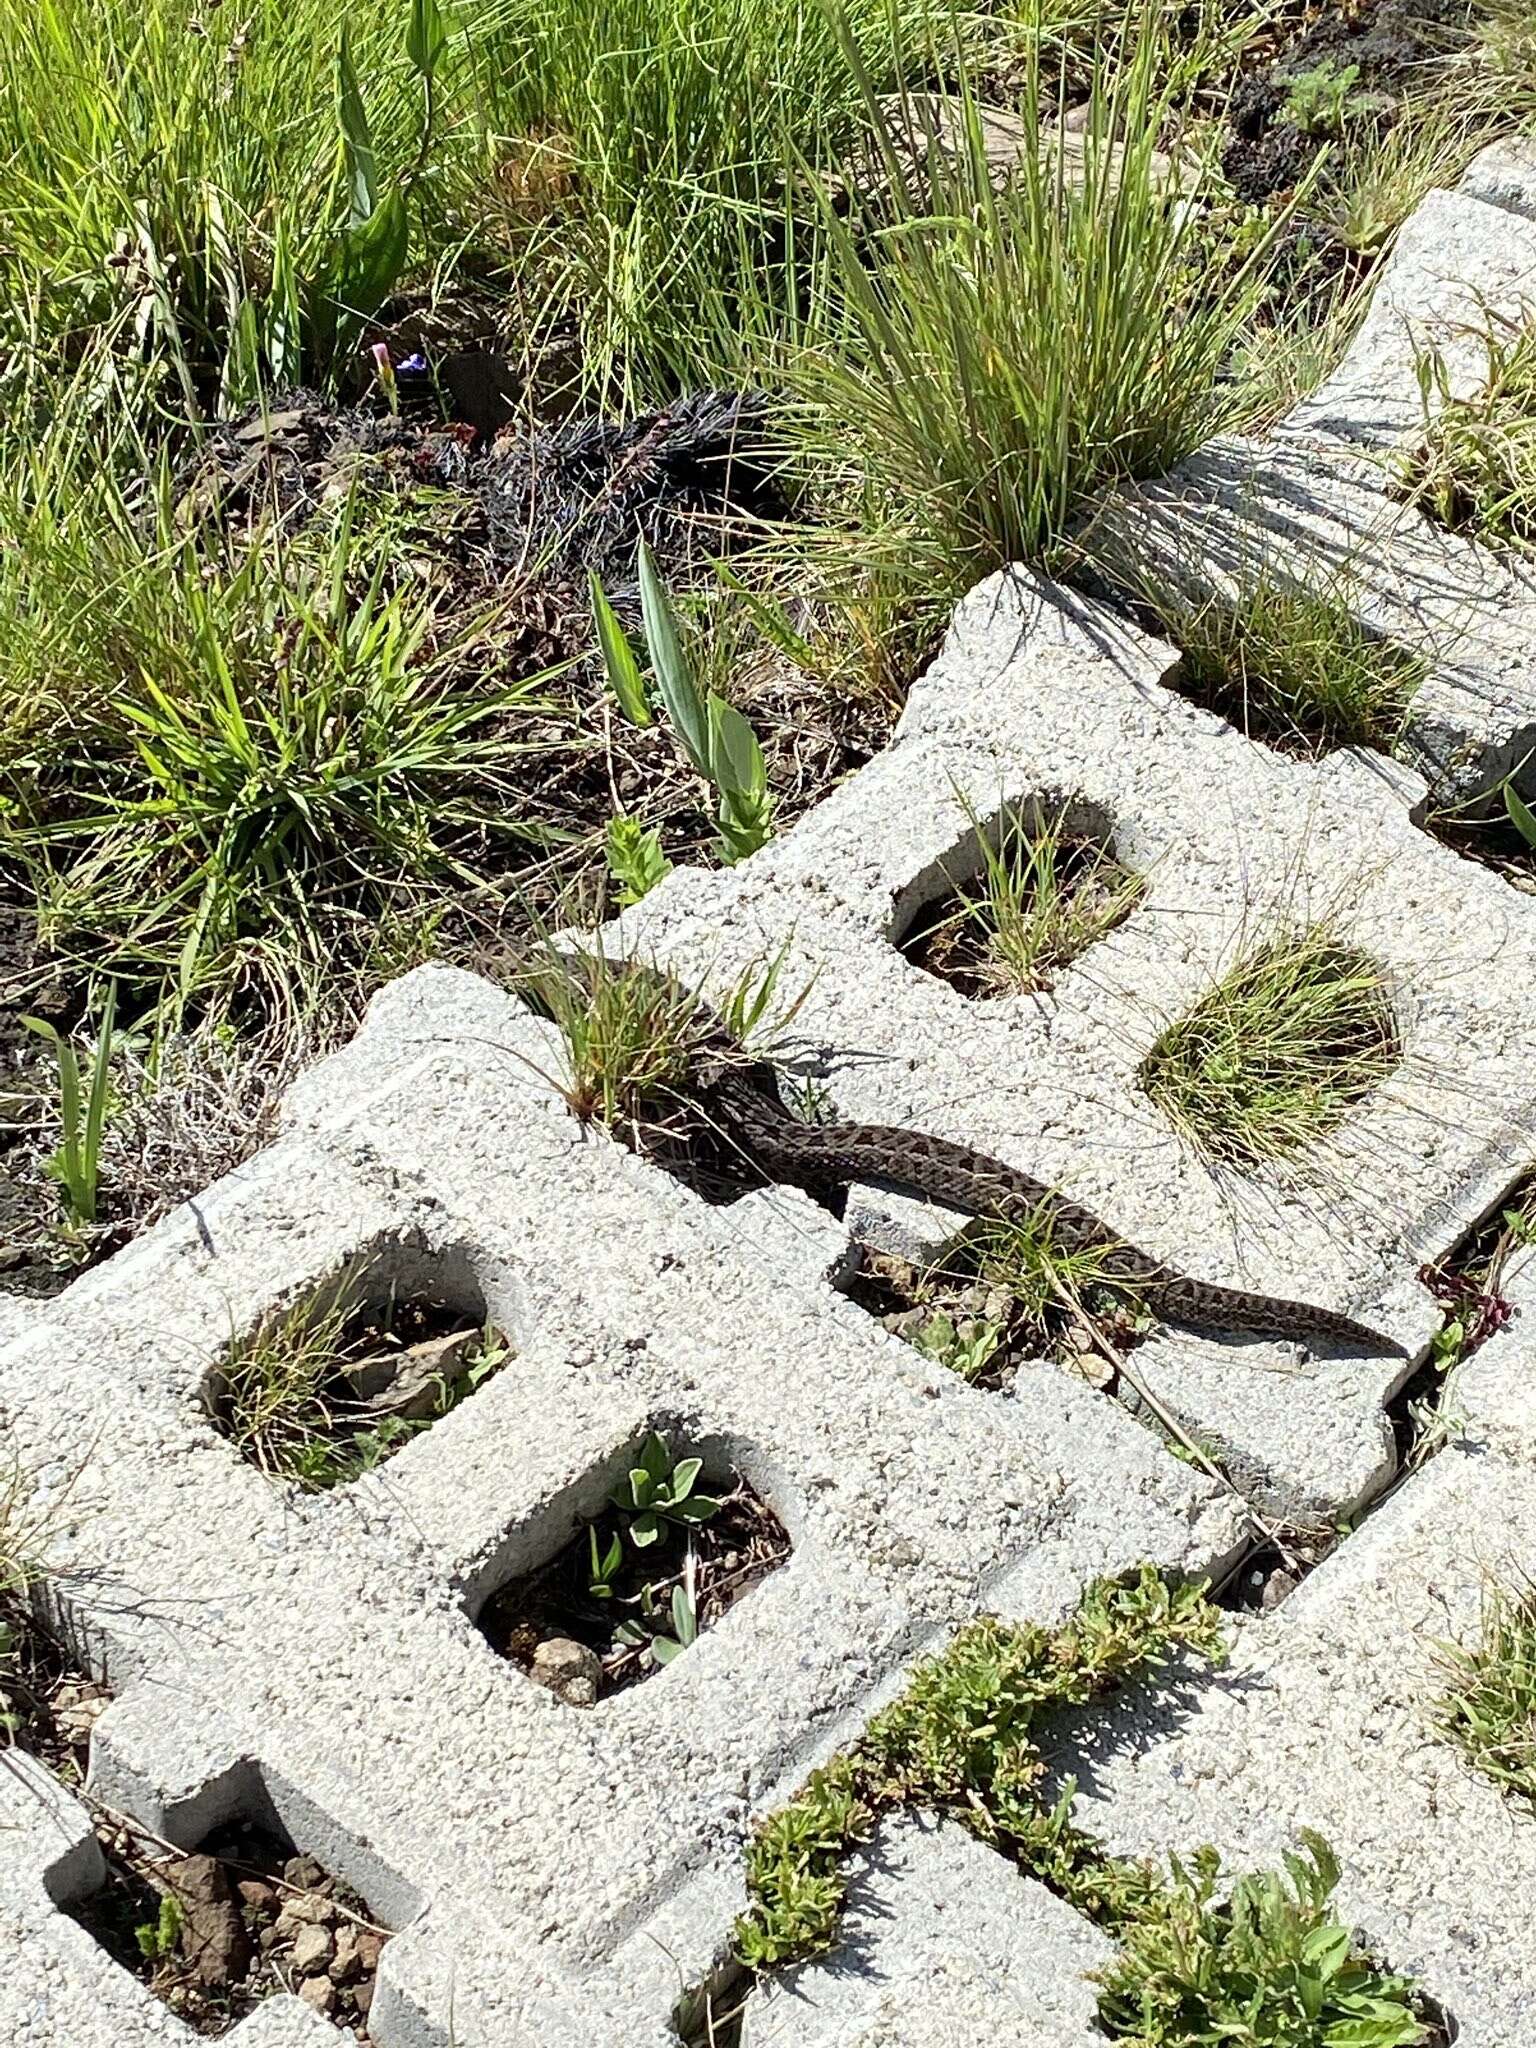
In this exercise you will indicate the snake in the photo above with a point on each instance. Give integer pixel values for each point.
(742, 1100)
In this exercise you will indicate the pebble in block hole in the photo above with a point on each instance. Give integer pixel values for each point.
(328, 1388)
(654, 1552)
(238, 1917)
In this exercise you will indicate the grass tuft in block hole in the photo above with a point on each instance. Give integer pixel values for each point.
(1285, 663)
(325, 1391)
(678, 1543)
(1489, 1707)
(1028, 894)
(1276, 1054)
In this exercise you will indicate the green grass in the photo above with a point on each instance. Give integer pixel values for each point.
(1037, 1270)
(991, 358)
(1264, 1962)
(180, 180)
(277, 1398)
(228, 762)
(631, 1034)
(1286, 663)
(1044, 896)
(1276, 1053)
(1474, 468)
(1489, 1707)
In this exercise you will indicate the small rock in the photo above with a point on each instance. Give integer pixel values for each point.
(213, 1937)
(569, 1670)
(320, 1993)
(257, 1897)
(312, 1950)
(368, 1948)
(362, 1996)
(303, 1873)
(306, 1909)
(1278, 1585)
(410, 1383)
(346, 1963)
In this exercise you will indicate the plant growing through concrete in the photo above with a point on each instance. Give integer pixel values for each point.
(1265, 1961)
(636, 1584)
(1489, 1707)
(1266, 1964)
(1474, 467)
(1277, 1052)
(290, 1393)
(632, 1033)
(1284, 662)
(1044, 895)
(660, 1489)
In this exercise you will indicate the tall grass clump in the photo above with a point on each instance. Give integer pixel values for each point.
(1474, 469)
(650, 162)
(998, 348)
(187, 177)
(1274, 1055)
(223, 758)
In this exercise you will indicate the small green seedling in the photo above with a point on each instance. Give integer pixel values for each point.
(634, 856)
(719, 743)
(1319, 101)
(966, 1348)
(685, 1625)
(657, 1491)
(76, 1166)
(157, 1938)
(603, 1565)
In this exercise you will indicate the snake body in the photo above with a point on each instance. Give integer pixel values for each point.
(743, 1101)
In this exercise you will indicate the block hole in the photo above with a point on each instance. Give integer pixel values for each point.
(1288, 663)
(622, 1575)
(715, 2014)
(235, 1917)
(1275, 1055)
(993, 1299)
(1469, 1286)
(330, 1386)
(1020, 895)
(1497, 829)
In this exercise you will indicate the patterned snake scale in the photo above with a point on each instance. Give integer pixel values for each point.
(743, 1101)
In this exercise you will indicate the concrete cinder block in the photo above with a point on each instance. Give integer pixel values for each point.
(316, 1658)
(943, 1945)
(560, 1879)
(1040, 696)
(1325, 1719)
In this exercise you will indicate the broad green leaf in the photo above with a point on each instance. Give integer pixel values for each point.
(698, 1507)
(426, 36)
(373, 255)
(685, 707)
(663, 1649)
(1521, 815)
(655, 1458)
(683, 1475)
(736, 765)
(624, 677)
(1326, 1950)
(357, 142)
(644, 1530)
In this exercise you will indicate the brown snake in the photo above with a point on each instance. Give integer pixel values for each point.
(743, 1102)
